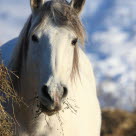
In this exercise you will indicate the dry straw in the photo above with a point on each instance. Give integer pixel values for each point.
(7, 94)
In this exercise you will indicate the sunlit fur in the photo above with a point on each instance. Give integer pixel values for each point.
(53, 61)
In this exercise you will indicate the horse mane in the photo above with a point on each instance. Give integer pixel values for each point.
(19, 54)
(61, 14)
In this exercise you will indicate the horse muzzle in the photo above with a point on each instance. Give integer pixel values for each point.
(51, 98)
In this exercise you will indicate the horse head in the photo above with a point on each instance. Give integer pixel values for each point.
(49, 51)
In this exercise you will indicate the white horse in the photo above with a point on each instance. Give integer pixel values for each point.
(54, 71)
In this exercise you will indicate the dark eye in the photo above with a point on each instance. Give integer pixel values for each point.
(74, 42)
(35, 38)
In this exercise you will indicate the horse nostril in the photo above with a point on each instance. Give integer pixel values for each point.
(45, 93)
(65, 92)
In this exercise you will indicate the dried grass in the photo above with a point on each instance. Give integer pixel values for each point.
(118, 123)
(7, 94)
(6, 123)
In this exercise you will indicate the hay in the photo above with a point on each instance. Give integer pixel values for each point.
(7, 94)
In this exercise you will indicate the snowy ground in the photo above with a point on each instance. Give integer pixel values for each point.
(111, 44)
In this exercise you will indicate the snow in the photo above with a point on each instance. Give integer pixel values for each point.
(111, 44)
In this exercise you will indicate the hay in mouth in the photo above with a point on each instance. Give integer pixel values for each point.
(45, 110)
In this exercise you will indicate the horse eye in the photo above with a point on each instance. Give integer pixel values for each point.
(35, 38)
(74, 42)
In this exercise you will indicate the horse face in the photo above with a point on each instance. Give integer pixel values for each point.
(51, 54)
(50, 59)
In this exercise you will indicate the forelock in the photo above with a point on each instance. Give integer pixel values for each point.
(61, 14)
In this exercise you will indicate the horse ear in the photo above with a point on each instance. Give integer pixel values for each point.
(77, 5)
(36, 4)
